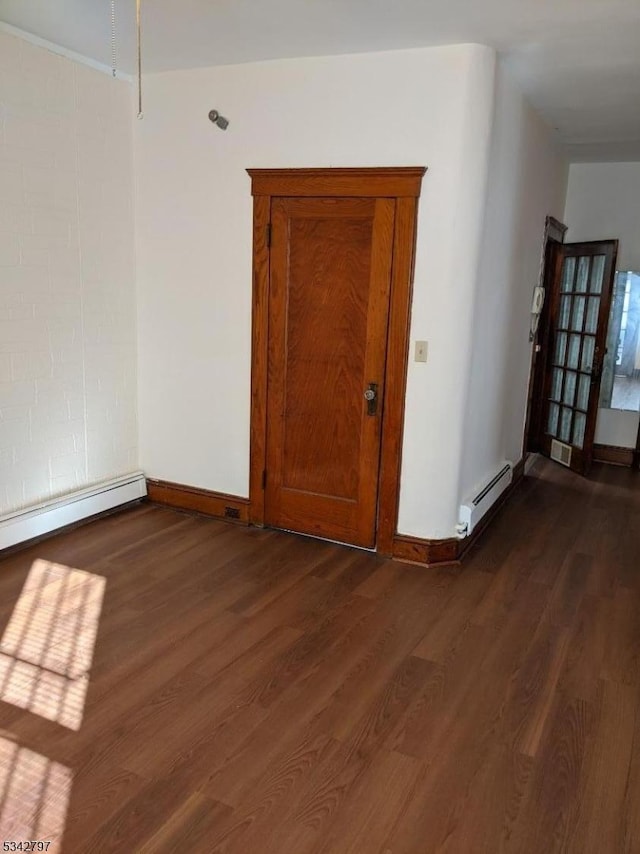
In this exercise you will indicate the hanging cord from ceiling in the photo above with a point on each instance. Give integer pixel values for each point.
(114, 53)
(139, 34)
(113, 38)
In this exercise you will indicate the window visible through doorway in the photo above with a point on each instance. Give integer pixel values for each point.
(621, 371)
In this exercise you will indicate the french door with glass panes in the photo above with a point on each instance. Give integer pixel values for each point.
(579, 314)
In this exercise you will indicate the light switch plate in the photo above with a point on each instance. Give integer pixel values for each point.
(421, 351)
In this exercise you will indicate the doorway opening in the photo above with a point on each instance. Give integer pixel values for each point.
(618, 426)
(571, 349)
(621, 373)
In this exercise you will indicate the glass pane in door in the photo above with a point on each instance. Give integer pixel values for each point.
(583, 275)
(584, 386)
(597, 274)
(574, 347)
(565, 424)
(569, 395)
(577, 319)
(561, 348)
(565, 312)
(588, 352)
(568, 274)
(574, 352)
(579, 428)
(591, 326)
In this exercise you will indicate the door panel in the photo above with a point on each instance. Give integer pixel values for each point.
(328, 310)
(581, 299)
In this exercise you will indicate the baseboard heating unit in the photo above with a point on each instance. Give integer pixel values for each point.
(474, 508)
(41, 519)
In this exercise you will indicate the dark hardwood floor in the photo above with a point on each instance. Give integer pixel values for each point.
(173, 683)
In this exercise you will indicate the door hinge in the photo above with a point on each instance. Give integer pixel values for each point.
(269, 234)
(264, 479)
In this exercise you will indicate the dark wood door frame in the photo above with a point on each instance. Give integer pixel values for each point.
(554, 234)
(402, 184)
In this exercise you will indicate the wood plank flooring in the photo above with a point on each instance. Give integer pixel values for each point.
(228, 689)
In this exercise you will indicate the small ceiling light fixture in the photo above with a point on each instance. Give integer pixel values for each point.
(219, 120)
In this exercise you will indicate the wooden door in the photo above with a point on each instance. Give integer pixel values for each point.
(330, 276)
(579, 315)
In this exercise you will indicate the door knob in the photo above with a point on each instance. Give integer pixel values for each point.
(371, 396)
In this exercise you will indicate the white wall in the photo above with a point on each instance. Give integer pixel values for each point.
(603, 202)
(527, 182)
(421, 107)
(67, 312)
(617, 427)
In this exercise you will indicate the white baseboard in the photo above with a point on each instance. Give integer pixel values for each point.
(44, 518)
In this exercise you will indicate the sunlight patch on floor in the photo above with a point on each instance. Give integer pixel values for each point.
(34, 796)
(47, 648)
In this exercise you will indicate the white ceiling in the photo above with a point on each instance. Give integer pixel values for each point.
(577, 60)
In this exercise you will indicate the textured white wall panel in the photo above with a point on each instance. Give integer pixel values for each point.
(67, 277)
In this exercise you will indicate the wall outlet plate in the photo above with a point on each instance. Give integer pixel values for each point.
(421, 351)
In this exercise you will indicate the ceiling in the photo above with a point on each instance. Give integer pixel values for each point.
(577, 60)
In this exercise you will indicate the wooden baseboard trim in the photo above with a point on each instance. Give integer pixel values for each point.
(428, 552)
(518, 471)
(451, 551)
(614, 455)
(231, 508)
